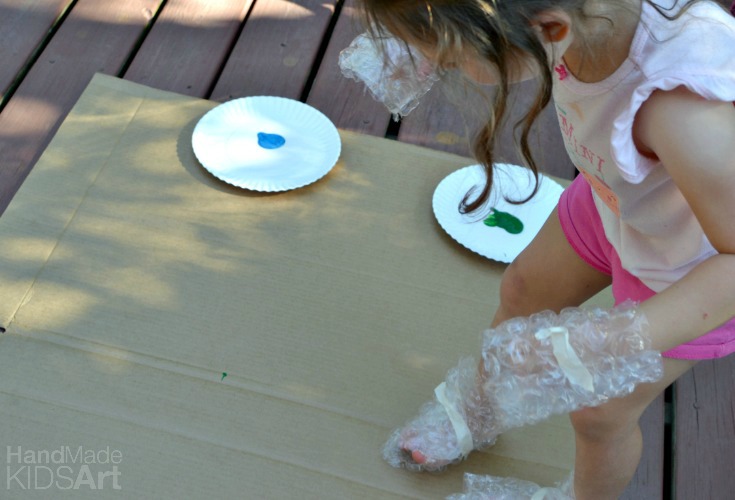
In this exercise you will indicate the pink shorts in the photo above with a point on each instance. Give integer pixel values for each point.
(583, 228)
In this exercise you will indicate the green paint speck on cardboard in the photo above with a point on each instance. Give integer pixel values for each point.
(224, 374)
(504, 220)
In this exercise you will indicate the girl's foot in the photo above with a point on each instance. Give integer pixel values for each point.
(447, 428)
(531, 368)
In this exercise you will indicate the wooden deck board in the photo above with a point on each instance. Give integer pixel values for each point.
(346, 102)
(24, 26)
(438, 123)
(188, 45)
(276, 50)
(96, 37)
(649, 478)
(705, 432)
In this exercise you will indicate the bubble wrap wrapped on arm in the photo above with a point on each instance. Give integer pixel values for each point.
(531, 368)
(395, 74)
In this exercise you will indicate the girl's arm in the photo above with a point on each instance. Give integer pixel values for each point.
(695, 140)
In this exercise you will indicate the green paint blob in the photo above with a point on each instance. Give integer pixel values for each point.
(224, 374)
(504, 220)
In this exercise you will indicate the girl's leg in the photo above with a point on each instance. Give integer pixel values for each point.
(608, 448)
(608, 438)
(548, 274)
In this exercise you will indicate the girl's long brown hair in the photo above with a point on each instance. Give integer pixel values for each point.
(499, 31)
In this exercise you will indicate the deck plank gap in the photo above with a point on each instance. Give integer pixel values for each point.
(141, 39)
(35, 55)
(230, 50)
(322, 50)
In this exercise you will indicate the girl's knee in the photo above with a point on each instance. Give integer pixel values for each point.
(514, 290)
(605, 422)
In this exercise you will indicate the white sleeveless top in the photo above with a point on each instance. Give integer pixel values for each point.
(645, 216)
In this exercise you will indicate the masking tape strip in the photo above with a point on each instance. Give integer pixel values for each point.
(568, 360)
(541, 494)
(464, 436)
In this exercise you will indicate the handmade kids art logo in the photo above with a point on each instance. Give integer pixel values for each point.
(64, 468)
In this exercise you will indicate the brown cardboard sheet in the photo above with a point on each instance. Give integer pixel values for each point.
(225, 343)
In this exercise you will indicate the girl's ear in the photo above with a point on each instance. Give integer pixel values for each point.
(553, 26)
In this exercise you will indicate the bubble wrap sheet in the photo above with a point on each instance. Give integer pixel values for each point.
(531, 368)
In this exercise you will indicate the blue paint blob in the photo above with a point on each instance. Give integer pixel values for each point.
(270, 141)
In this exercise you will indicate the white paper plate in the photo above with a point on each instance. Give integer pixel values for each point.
(226, 142)
(509, 181)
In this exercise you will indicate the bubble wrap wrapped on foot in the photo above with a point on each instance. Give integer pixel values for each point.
(531, 368)
(508, 488)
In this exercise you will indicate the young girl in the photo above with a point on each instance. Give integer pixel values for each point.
(643, 90)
